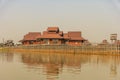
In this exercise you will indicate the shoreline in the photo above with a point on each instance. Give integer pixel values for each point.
(62, 51)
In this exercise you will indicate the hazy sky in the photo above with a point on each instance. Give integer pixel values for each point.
(97, 19)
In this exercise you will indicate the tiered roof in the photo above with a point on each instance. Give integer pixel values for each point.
(52, 32)
(53, 29)
(75, 35)
(32, 36)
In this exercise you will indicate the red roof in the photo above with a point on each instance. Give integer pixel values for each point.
(61, 33)
(75, 35)
(52, 32)
(53, 29)
(66, 36)
(54, 36)
(32, 36)
(45, 32)
(77, 38)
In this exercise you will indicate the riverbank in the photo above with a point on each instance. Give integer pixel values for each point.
(99, 50)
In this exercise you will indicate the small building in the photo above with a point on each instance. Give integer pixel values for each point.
(30, 38)
(104, 43)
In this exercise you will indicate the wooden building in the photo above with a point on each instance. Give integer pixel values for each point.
(53, 36)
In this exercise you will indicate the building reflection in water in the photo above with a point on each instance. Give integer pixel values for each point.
(53, 64)
(113, 68)
(6, 57)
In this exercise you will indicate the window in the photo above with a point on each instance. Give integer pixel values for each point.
(46, 41)
(31, 42)
(55, 41)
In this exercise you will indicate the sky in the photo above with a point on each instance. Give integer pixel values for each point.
(96, 19)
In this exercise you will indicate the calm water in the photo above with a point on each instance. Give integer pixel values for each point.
(43, 66)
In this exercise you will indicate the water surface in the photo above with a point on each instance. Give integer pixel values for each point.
(45, 66)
